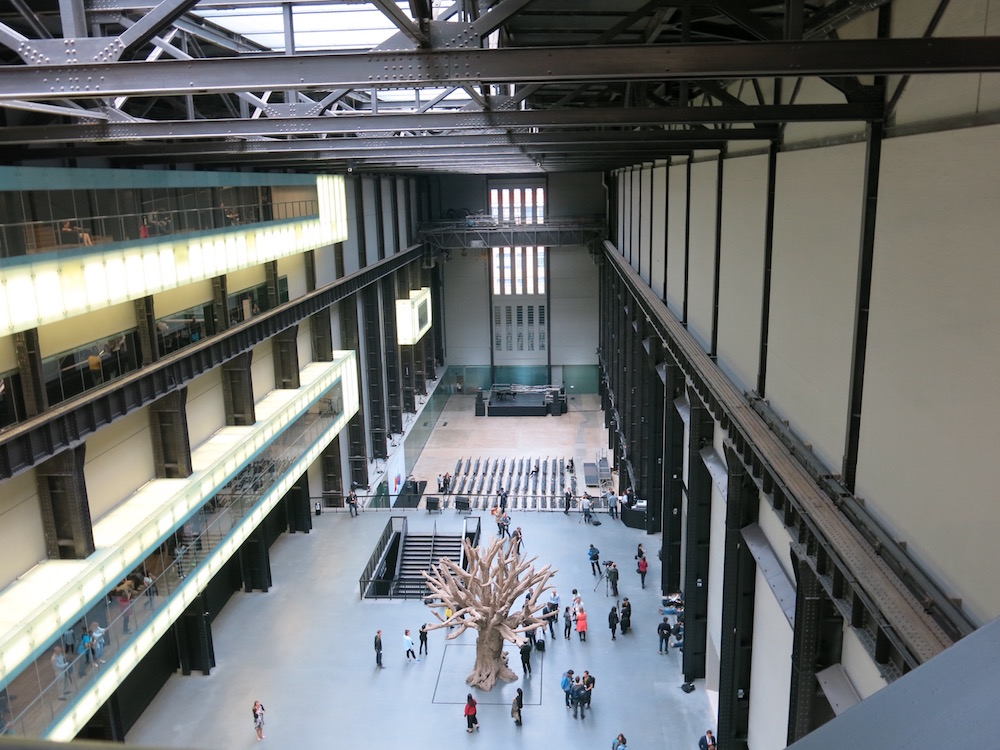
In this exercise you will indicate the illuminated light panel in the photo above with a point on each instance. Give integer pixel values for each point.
(49, 287)
(413, 317)
(51, 596)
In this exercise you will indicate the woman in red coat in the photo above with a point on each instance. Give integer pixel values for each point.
(470, 713)
(581, 624)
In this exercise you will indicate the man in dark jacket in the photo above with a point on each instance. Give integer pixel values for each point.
(663, 630)
(526, 657)
(378, 649)
(579, 697)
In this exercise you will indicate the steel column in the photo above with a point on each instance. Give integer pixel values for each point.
(357, 445)
(65, 508)
(285, 357)
(862, 301)
(321, 331)
(333, 476)
(298, 511)
(393, 386)
(738, 588)
(171, 441)
(698, 534)
(194, 638)
(237, 390)
(673, 470)
(805, 640)
(717, 271)
(371, 325)
(28, 353)
(145, 318)
(765, 302)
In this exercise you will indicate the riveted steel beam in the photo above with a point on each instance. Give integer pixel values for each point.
(522, 65)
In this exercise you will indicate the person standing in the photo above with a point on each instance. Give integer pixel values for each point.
(663, 630)
(589, 681)
(440, 484)
(516, 540)
(626, 618)
(567, 500)
(613, 505)
(567, 623)
(581, 624)
(352, 503)
(612, 574)
(578, 695)
(613, 622)
(516, 706)
(470, 713)
(595, 559)
(408, 645)
(423, 640)
(707, 741)
(258, 719)
(97, 639)
(643, 567)
(585, 507)
(526, 658)
(567, 686)
(86, 650)
(378, 649)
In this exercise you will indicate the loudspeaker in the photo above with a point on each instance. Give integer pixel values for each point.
(462, 504)
(433, 503)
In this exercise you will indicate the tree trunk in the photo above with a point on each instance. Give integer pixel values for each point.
(491, 662)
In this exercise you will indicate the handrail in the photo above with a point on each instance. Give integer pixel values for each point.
(395, 525)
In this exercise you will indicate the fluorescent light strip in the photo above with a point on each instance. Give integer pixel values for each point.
(114, 675)
(51, 287)
(66, 600)
(408, 325)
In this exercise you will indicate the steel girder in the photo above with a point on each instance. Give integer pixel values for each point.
(456, 237)
(500, 66)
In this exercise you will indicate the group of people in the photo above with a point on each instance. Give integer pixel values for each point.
(579, 690)
(407, 646)
(89, 651)
(444, 484)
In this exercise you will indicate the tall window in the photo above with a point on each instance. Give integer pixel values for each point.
(518, 270)
(521, 204)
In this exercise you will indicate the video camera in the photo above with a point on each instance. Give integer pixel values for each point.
(608, 563)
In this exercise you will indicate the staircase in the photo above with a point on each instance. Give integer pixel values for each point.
(420, 552)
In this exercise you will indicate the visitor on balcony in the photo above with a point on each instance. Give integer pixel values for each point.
(74, 234)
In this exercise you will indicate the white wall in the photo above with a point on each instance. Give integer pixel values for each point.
(704, 182)
(928, 452)
(262, 370)
(182, 298)
(294, 268)
(206, 407)
(351, 243)
(770, 671)
(658, 236)
(813, 283)
(303, 342)
(858, 665)
(573, 322)
(22, 536)
(466, 281)
(741, 273)
(246, 278)
(119, 460)
(676, 232)
(645, 227)
(67, 335)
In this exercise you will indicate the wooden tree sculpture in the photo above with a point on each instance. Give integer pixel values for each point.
(484, 598)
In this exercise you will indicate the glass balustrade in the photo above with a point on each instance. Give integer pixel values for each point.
(39, 694)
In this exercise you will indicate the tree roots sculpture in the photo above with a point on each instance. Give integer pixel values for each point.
(484, 598)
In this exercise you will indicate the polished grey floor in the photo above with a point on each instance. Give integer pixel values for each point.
(305, 650)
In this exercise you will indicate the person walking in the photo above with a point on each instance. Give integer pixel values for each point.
(643, 567)
(578, 697)
(423, 640)
(470, 713)
(378, 649)
(594, 555)
(97, 639)
(663, 630)
(63, 672)
(408, 645)
(626, 617)
(516, 706)
(581, 624)
(612, 574)
(526, 658)
(552, 615)
(619, 743)
(567, 686)
(613, 622)
(707, 741)
(567, 623)
(613, 505)
(258, 719)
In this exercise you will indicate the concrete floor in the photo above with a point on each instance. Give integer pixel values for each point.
(305, 648)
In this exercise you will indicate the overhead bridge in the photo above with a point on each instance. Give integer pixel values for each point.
(482, 233)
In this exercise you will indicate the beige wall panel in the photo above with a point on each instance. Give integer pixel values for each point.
(770, 671)
(744, 214)
(813, 283)
(262, 370)
(658, 239)
(777, 536)
(298, 195)
(859, 666)
(702, 251)
(573, 319)
(119, 460)
(676, 232)
(8, 359)
(646, 222)
(239, 280)
(206, 407)
(326, 266)
(22, 536)
(933, 357)
(182, 298)
(70, 334)
(635, 215)
(295, 269)
(303, 342)
(716, 568)
(817, 91)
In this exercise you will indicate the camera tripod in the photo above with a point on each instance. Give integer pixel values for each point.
(607, 582)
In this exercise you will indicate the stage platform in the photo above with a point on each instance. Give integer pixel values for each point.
(520, 404)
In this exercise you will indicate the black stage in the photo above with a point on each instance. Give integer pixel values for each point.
(507, 403)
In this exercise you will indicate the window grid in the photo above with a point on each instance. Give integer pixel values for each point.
(518, 270)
